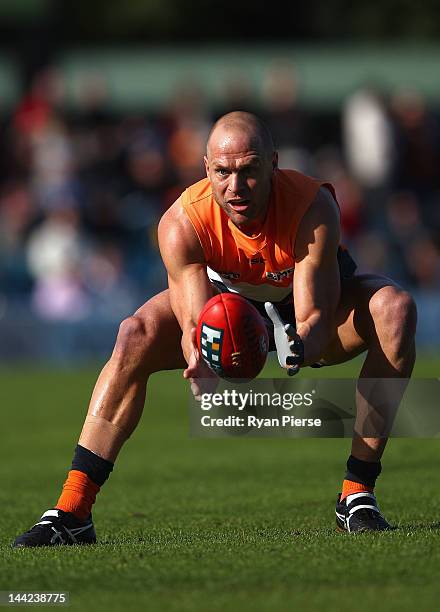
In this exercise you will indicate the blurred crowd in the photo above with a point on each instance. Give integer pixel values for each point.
(82, 188)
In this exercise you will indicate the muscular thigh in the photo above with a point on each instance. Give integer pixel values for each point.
(163, 332)
(354, 322)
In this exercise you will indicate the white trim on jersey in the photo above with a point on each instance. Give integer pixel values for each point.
(259, 293)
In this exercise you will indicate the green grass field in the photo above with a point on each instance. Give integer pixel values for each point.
(190, 524)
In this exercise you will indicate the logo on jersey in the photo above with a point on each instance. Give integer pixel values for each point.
(230, 275)
(211, 346)
(256, 260)
(278, 277)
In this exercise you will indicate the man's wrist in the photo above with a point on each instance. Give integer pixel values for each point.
(312, 339)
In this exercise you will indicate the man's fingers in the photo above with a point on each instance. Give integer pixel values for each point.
(191, 370)
(293, 365)
(273, 314)
(195, 390)
(290, 330)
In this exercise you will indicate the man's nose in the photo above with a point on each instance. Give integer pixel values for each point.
(235, 183)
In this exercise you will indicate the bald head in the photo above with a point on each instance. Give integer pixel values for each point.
(240, 165)
(245, 126)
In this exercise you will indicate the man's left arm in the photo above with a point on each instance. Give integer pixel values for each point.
(316, 280)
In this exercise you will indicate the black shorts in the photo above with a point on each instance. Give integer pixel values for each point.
(286, 308)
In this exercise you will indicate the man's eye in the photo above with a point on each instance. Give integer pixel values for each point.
(222, 172)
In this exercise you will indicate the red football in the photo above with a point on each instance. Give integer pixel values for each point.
(232, 337)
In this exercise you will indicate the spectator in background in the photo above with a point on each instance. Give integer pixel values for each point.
(17, 216)
(237, 93)
(370, 156)
(403, 226)
(418, 144)
(55, 253)
(368, 139)
(37, 107)
(285, 119)
(190, 123)
(329, 163)
(372, 253)
(146, 181)
(109, 288)
(187, 122)
(280, 100)
(423, 260)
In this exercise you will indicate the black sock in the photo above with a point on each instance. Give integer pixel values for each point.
(96, 468)
(364, 472)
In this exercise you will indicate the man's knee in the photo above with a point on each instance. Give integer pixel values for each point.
(394, 315)
(134, 341)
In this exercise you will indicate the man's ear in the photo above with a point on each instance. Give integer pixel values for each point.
(205, 159)
(275, 160)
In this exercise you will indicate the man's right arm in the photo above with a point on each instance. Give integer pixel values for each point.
(188, 281)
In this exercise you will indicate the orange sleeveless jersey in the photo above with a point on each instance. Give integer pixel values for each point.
(259, 268)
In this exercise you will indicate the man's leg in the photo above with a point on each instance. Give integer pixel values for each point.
(147, 342)
(375, 315)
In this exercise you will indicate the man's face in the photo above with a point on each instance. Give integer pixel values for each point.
(240, 175)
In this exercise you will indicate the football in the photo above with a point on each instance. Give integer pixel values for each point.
(232, 337)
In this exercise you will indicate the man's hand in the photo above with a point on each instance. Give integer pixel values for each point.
(290, 348)
(199, 374)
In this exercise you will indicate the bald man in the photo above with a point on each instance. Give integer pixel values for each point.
(273, 236)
